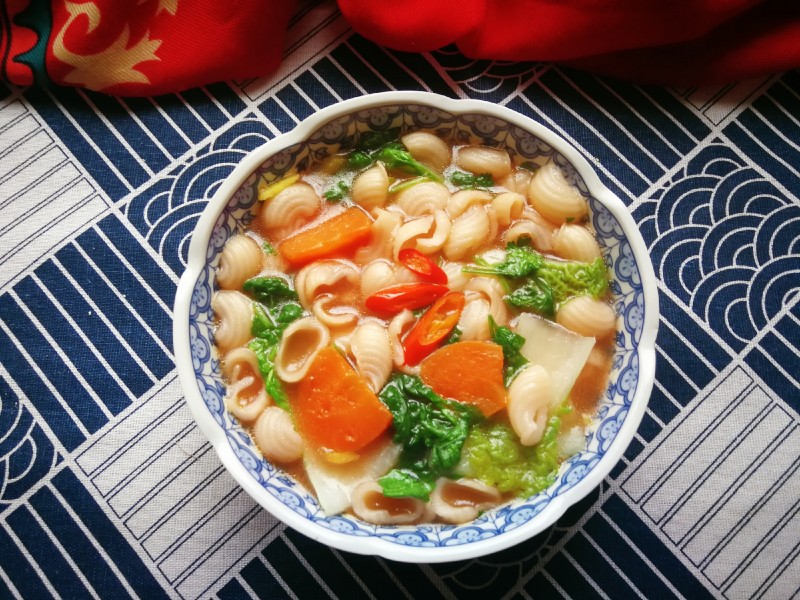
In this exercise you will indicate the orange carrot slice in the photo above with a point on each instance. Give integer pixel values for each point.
(470, 372)
(330, 238)
(334, 407)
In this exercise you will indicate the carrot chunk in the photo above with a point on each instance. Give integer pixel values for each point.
(334, 407)
(470, 372)
(330, 238)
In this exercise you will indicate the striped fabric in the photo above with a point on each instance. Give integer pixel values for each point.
(108, 489)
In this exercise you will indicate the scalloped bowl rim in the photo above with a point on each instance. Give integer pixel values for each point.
(374, 545)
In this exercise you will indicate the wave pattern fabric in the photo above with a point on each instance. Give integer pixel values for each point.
(108, 489)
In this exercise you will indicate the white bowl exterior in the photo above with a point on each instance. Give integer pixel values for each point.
(621, 409)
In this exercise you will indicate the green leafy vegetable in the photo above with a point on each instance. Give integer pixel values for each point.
(535, 295)
(494, 455)
(568, 279)
(276, 308)
(263, 326)
(470, 181)
(338, 192)
(454, 336)
(265, 352)
(511, 343)
(371, 141)
(358, 159)
(431, 430)
(519, 262)
(269, 290)
(541, 285)
(384, 146)
(267, 247)
(267, 330)
(395, 156)
(374, 140)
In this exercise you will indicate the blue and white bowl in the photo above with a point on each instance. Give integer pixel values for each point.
(467, 121)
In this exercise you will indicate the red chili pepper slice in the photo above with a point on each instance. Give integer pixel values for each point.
(433, 327)
(393, 299)
(416, 261)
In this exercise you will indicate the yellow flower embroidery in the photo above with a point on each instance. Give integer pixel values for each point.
(113, 65)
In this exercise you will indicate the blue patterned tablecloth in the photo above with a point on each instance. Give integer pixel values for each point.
(107, 488)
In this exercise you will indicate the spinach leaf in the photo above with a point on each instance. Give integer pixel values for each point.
(267, 329)
(263, 326)
(519, 262)
(337, 192)
(431, 430)
(535, 294)
(358, 159)
(511, 343)
(374, 140)
(401, 483)
(268, 248)
(469, 181)
(269, 290)
(454, 336)
(395, 156)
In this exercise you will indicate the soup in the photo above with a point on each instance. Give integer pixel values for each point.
(419, 331)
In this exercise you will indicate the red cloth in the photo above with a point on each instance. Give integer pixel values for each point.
(149, 47)
(686, 42)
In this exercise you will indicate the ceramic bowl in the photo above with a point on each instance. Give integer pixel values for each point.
(466, 121)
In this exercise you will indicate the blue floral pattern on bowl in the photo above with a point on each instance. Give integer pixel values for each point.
(331, 138)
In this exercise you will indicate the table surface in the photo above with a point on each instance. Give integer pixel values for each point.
(108, 489)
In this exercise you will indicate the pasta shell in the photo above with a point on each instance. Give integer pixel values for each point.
(246, 396)
(292, 207)
(276, 437)
(469, 232)
(482, 159)
(464, 199)
(494, 293)
(338, 277)
(462, 500)
(517, 181)
(587, 316)
(474, 320)
(370, 505)
(533, 227)
(234, 314)
(428, 148)
(438, 234)
(300, 344)
(575, 242)
(370, 347)
(384, 228)
(507, 207)
(371, 188)
(423, 198)
(398, 327)
(275, 263)
(554, 198)
(457, 279)
(333, 315)
(376, 275)
(407, 234)
(529, 397)
(240, 259)
(380, 274)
